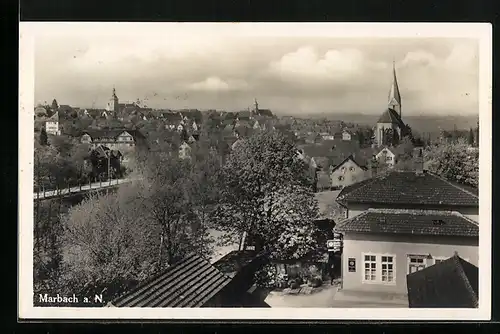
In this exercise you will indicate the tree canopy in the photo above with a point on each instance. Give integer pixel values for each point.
(267, 194)
(454, 161)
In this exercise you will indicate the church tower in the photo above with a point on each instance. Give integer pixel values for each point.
(394, 95)
(113, 102)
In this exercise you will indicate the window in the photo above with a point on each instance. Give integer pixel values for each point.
(351, 169)
(341, 178)
(379, 269)
(387, 269)
(370, 266)
(342, 169)
(416, 263)
(388, 158)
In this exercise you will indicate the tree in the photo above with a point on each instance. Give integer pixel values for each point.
(110, 245)
(47, 251)
(267, 194)
(54, 106)
(470, 139)
(43, 137)
(454, 161)
(168, 195)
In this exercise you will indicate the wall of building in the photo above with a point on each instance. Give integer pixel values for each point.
(381, 127)
(52, 128)
(350, 173)
(356, 245)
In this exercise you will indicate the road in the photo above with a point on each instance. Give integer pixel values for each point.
(74, 190)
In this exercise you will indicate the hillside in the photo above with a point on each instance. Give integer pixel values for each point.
(420, 124)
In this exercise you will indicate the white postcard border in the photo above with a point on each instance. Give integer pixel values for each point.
(28, 32)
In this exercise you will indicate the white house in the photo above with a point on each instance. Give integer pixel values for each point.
(184, 150)
(52, 125)
(402, 222)
(387, 156)
(346, 135)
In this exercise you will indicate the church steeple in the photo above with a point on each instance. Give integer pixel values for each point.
(394, 95)
(256, 106)
(113, 102)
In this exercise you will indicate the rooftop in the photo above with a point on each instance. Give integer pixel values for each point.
(413, 222)
(112, 133)
(410, 188)
(452, 283)
(390, 116)
(190, 282)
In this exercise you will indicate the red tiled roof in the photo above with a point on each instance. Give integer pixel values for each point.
(409, 188)
(449, 284)
(414, 222)
(190, 282)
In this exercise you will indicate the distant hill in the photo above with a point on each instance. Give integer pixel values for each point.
(420, 124)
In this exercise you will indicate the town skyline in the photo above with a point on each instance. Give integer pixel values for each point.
(293, 76)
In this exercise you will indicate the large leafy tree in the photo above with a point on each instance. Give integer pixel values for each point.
(43, 137)
(454, 161)
(168, 193)
(109, 243)
(267, 195)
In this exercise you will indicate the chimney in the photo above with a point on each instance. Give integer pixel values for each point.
(418, 160)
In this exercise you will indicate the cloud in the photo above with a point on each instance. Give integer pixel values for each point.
(461, 58)
(321, 74)
(214, 84)
(306, 63)
(418, 58)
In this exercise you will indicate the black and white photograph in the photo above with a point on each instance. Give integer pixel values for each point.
(278, 171)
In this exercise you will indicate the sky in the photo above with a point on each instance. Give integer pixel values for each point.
(289, 75)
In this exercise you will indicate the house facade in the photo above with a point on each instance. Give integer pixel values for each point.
(403, 222)
(184, 150)
(52, 125)
(123, 140)
(381, 247)
(346, 135)
(347, 172)
(387, 157)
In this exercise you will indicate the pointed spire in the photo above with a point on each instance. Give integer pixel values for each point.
(394, 95)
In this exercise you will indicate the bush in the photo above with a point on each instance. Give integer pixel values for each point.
(316, 281)
(266, 277)
(294, 283)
